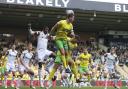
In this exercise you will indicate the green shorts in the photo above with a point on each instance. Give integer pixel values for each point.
(83, 69)
(2, 70)
(61, 43)
(58, 59)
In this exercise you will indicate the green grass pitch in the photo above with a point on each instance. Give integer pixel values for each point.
(67, 88)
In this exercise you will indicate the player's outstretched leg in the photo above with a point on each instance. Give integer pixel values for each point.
(51, 75)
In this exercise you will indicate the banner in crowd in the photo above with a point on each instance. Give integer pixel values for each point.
(58, 83)
(99, 5)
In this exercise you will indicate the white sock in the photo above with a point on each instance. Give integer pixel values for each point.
(12, 79)
(49, 64)
(40, 77)
(106, 83)
(18, 82)
(64, 82)
(5, 80)
(2, 82)
(31, 82)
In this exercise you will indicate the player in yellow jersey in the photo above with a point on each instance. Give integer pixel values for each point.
(3, 61)
(85, 61)
(62, 29)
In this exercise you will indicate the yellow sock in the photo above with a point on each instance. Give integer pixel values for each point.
(64, 61)
(89, 77)
(2, 77)
(81, 76)
(67, 57)
(52, 74)
(74, 70)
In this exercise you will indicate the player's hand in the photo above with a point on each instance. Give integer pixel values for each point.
(49, 37)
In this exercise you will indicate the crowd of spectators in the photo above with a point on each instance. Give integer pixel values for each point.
(91, 45)
(121, 50)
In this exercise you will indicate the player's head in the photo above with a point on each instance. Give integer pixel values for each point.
(29, 46)
(85, 50)
(112, 50)
(13, 47)
(45, 29)
(70, 15)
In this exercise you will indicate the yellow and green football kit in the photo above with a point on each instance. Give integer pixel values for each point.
(85, 58)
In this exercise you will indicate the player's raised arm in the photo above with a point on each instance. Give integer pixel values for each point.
(31, 31)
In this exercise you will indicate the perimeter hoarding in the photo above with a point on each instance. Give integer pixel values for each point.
(59, 83)
(98, 5)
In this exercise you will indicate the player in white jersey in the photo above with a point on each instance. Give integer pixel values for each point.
(110, 62)
(10, 66)
(25, 65)
(42, 51)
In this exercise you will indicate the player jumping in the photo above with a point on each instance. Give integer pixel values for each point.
(61, 30)
(42, 51)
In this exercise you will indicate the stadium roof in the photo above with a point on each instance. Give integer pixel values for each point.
(17, 16)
